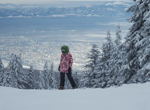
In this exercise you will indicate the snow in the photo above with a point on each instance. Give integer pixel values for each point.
(127, 97)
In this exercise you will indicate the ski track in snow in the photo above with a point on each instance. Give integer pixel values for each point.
(127, 97)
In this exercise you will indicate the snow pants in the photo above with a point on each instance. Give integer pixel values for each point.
(62, 79)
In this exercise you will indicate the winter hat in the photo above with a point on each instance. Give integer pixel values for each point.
(65, 49)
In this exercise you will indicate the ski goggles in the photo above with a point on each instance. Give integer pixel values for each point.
(63, 50)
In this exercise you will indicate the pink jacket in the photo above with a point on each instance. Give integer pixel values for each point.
(65, 62)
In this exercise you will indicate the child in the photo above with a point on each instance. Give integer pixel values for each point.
(65, 67)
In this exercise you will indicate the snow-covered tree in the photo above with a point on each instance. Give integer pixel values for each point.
(93, 57)
(31, 78)
(6, 79)
(1, 72)
(14, 73)
(46, 74)
(103, 69)
(57, 78)
(85, 80)
(89, 76)
(137, 43)
(101, 74)
(119, 65)
(52, 77)
(117, 59)
(41, 81)
(14, 69)
(118, 36)
(108, 47)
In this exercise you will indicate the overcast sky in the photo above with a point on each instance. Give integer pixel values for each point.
(46, 1)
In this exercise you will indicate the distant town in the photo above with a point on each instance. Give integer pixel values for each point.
(35, 53)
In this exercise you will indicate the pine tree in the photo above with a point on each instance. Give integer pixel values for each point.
(14, 75)
(89, 76)
(14, 68)
(93, 57)
(22, 80)
(1, 72)
(101, 73)
(108, 47)
(41, 81)
(31, 78)
(137, 43)
(103, 69)
(52, 77)
(37, 83)
(85, 80)
(7, 79)
(57, 78)
(118, 36)
(116, 59)
(46, 74)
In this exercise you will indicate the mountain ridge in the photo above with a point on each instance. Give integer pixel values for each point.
(103, 10)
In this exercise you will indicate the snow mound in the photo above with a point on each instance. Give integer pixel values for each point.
(127, 97)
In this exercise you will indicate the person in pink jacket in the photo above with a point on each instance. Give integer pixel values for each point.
(65, 67)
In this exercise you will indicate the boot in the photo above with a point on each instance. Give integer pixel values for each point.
(75, 87)
(61, 88)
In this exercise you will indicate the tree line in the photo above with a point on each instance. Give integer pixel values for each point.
(14, 75)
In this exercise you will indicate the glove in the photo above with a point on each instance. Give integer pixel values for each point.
(59, 68)
(69, 70)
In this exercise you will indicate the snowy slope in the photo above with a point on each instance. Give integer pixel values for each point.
(127, 97)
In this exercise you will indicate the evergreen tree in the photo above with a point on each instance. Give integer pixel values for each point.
(14, 75)
(85, 80)
(46, 76)
(118, 36)
(103, 69)
(120, 66)
(7, 79)
(1, 72)
(116, 60)
(137, 43)
(31, 78)
(89, 76)
(93, 57)
(14, 68)
(57, 78)
(108, 46)
(101, 73)
(37, 78)
(52, 77)
(41, 81)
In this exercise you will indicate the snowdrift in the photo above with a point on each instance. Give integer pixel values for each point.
(127, 97)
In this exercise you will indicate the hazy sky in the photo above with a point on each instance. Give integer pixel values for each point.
(46, 1)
